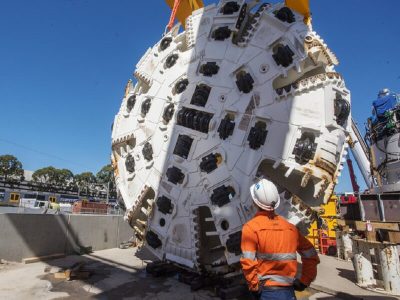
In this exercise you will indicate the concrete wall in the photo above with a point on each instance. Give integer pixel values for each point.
(31, 235)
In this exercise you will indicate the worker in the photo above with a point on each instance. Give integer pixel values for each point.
(56, 207)
(269, 245)
(386, 102)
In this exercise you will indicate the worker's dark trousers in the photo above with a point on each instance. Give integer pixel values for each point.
(281, 294)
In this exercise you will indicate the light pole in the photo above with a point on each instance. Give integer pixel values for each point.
(108, 191)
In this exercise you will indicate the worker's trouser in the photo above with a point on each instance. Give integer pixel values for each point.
(278, 294)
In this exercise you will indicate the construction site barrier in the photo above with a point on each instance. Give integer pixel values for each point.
(37, 235)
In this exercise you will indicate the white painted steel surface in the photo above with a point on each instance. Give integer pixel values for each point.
(390, 264)
(360, 155)
(271, 78)
(363, 265)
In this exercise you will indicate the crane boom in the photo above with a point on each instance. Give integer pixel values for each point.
(353, 178)
(360, 153)
(357, 133)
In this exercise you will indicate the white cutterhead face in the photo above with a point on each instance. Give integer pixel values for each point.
(238, 95)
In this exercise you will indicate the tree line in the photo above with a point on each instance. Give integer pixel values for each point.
(49, 178)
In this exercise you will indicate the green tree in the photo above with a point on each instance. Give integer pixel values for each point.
(45, 175)
(85, 181)
(106, 176)
(62, 178)
(10, 168)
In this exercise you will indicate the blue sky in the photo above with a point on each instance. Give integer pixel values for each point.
(64, 66)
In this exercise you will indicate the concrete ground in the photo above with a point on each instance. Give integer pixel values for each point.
(120, 274)
(337, 277)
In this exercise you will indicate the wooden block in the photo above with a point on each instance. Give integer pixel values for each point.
(385, 225)
(358, 242)
(394, 236)
(42, 258)
(361, 226)
(68, 274)
(74, 269)
(370, 236)
(59, 275)
(73, 272)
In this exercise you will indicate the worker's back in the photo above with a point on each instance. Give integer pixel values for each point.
(269, 249)
(275, 228)
(277, 243)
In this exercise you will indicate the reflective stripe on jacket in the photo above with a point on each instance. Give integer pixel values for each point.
(269, 246)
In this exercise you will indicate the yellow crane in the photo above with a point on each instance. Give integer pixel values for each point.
(181, 9)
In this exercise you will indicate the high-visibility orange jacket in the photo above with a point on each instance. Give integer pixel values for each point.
(269, 246)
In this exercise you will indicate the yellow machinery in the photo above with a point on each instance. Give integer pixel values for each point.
(324, 235)
(302, 7)
(184, 8)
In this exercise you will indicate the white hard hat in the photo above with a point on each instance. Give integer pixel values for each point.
(383, 92)
(265, 194)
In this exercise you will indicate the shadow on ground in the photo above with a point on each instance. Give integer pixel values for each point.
(347, 274)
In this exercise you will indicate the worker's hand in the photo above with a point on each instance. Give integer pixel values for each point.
(298, 285)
